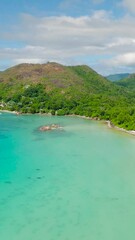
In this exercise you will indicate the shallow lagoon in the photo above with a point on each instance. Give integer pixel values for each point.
(74, 184)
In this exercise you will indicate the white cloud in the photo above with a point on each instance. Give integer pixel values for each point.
(129, 4)
(68, 40)
(127, 59)
(119, 63)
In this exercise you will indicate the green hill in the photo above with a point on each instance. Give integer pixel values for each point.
(128, 82)
(58, 89)
(53, 75)
(117, 77)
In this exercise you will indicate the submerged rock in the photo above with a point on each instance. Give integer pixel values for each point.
(49, 127)
(39, 177)
(8, 182)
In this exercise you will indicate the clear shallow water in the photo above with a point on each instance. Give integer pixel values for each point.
(75, 184)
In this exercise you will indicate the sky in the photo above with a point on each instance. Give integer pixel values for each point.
(99, 33)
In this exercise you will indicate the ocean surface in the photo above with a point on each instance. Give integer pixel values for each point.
(72, 184)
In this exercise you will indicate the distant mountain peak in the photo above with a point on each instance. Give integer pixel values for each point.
(117, 77)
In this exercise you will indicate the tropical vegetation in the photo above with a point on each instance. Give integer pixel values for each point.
(63, 90)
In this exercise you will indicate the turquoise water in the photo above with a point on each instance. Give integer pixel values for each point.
(72, 184)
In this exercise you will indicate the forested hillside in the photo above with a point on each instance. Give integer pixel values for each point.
(58, 89)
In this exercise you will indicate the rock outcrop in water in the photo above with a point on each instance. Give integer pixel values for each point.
(49, 127)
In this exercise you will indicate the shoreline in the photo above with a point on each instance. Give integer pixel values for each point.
(7, 111)
(111, 125)
(108, 122)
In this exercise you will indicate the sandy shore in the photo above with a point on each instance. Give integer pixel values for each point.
(7, 111)
(84, 117)
(110, 125)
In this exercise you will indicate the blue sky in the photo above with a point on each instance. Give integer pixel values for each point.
(99, 33)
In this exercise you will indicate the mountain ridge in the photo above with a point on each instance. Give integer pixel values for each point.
(128, 82)
(117, 77)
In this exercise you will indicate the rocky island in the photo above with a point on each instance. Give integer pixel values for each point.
(49, 127)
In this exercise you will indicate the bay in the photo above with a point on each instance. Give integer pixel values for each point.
(70, 184)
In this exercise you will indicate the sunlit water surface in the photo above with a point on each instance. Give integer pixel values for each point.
(72, 184)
